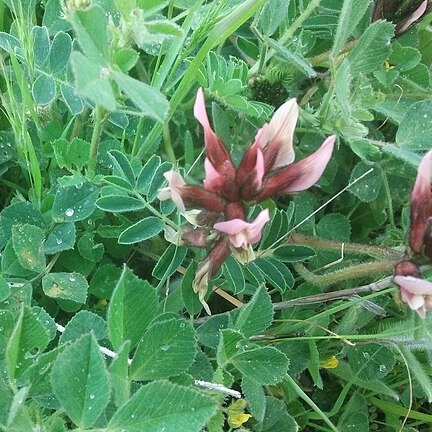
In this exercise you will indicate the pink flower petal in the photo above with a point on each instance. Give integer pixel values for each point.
(242, 233)
(231, 227)
(418, 13)
(279, 147)
(175, 183)
(251, 172)
(311, 168)
(215, 150)
(413, 285)
(299, 176)
(214, 180)
(421, 203)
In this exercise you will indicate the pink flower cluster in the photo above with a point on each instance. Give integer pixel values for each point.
(266, 169)
(417, 292)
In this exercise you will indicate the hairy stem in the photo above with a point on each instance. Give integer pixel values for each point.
(351, 272)
(359, 248)
(100, 117)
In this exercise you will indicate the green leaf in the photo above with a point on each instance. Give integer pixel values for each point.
(90, 250)
(9, 42)
(366, 150)
(190, 299)
(41, 45)
(231, 342)
(266, 365)
(142, 230)
(372, 48)
(74, 203)
(120, 204)
(157, 181)
(4, 289)
(351, 14)
(10, 264)
(255, 396)
(415, 130)
(84, 322)
(209, 332)
(233, 275)
(148, 100)
(60, 52)
(19, 417)
(404, 57)
(133, 305)
(147, 173)
(334, 226)
(355, 415)
(256, 316)
(68, 286)
(419, 371)
(29, 338)
(20, 213)
(343, 88)
(71, 98)
(293, 253)
(27, 241)
(272, 15)
(271, 273)
(126, 59)
(44, 90)
(90, 26)
(163, 27)
(368, 188)
(162, 405)
(92, 82)
(104, 280)
(122, 167)
(292, 58)
(80, 381)
(371, 362)
(276, 418)
(169, 262)
(119, 374)
(167, 349)
(119, 182)
(78, 153)
(405, 155)
(62, 238)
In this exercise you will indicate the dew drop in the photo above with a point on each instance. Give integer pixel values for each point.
(69, 212)
(92, 396)
(72, 278)
(59, 241)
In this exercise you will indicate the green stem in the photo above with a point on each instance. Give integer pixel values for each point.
(156, 213)
(351, 272)
(100, 117)
(221, 31)
(389, 198)
(359, 248)
(288, 381)
(168, 146)
(288, 34)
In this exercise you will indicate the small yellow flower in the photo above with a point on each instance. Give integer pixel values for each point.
(101, 303)
(236, 414)
(330, 363)
(388, 66)
(237, 419)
